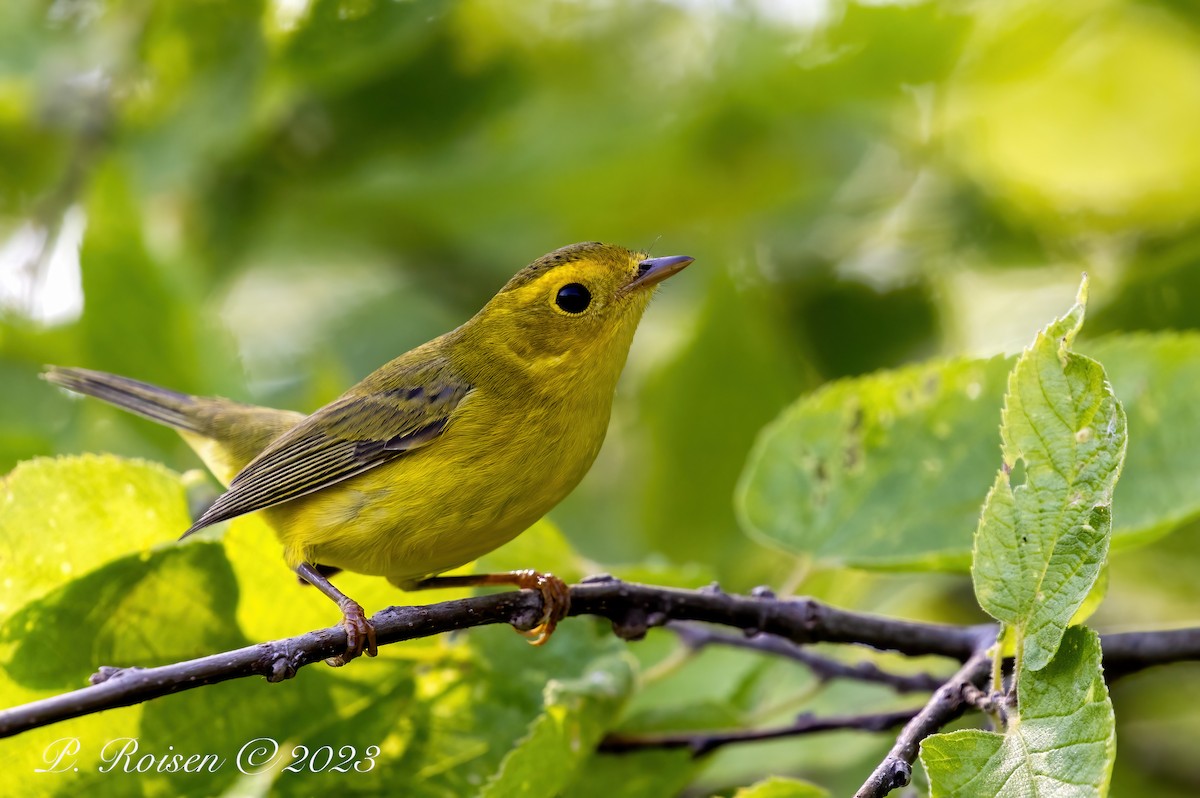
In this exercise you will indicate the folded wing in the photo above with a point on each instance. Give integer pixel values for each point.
(354, 434)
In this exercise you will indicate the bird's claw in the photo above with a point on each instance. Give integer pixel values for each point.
(360, 634)
(556, 601)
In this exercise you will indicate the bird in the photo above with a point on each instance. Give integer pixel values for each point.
(439, 456)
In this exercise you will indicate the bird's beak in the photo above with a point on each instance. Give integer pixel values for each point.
(653, 271)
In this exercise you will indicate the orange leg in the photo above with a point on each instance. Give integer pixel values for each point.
(360, 634)
(556, 598)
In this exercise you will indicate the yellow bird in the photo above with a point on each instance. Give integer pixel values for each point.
(439, 456)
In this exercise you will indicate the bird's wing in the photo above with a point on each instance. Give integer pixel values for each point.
(353, 434)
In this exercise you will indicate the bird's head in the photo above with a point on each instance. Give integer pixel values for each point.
(575, 308)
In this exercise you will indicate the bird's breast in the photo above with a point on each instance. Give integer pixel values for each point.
(488, 477)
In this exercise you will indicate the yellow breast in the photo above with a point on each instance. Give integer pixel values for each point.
(485, 480)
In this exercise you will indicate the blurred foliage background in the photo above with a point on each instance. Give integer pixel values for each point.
(267, 200)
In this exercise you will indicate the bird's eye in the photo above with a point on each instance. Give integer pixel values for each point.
(573, 298)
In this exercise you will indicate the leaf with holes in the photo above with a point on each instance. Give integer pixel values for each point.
(886, 471)
(883, 471)
(1043, 536)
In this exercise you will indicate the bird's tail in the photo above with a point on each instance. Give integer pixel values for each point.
(174, 409)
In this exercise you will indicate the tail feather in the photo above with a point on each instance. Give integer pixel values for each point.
(157, 404)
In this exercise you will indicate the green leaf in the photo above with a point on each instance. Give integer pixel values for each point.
(61, 519)
(1060, 741)
(1155, 377)
(1094, 599)
(171, 605)
(776, 787)
(913, 500)
(882, 471)
(1042, 541)
(576, 714)
(641, 774)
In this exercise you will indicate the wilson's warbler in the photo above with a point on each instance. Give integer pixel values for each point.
(441, 455)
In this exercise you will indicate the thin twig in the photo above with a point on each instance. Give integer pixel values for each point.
(949, 702)
(1130, 652)
(701, 743)
(826, 669)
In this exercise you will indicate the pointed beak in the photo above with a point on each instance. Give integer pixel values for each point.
(654, 270)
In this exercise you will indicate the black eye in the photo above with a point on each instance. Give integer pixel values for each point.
(573, 298)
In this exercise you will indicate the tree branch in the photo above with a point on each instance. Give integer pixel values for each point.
(633, 609)
(826, 669)
(701, 743)
(1130, 652)
(949, 702)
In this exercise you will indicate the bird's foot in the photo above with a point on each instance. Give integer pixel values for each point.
(556, 601)
(556, 597)
(360, 634)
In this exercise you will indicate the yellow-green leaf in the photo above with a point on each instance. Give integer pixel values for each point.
(61, 519)
(1060, 741)
(1043, 535)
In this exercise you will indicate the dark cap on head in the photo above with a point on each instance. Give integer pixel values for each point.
(594, 250)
